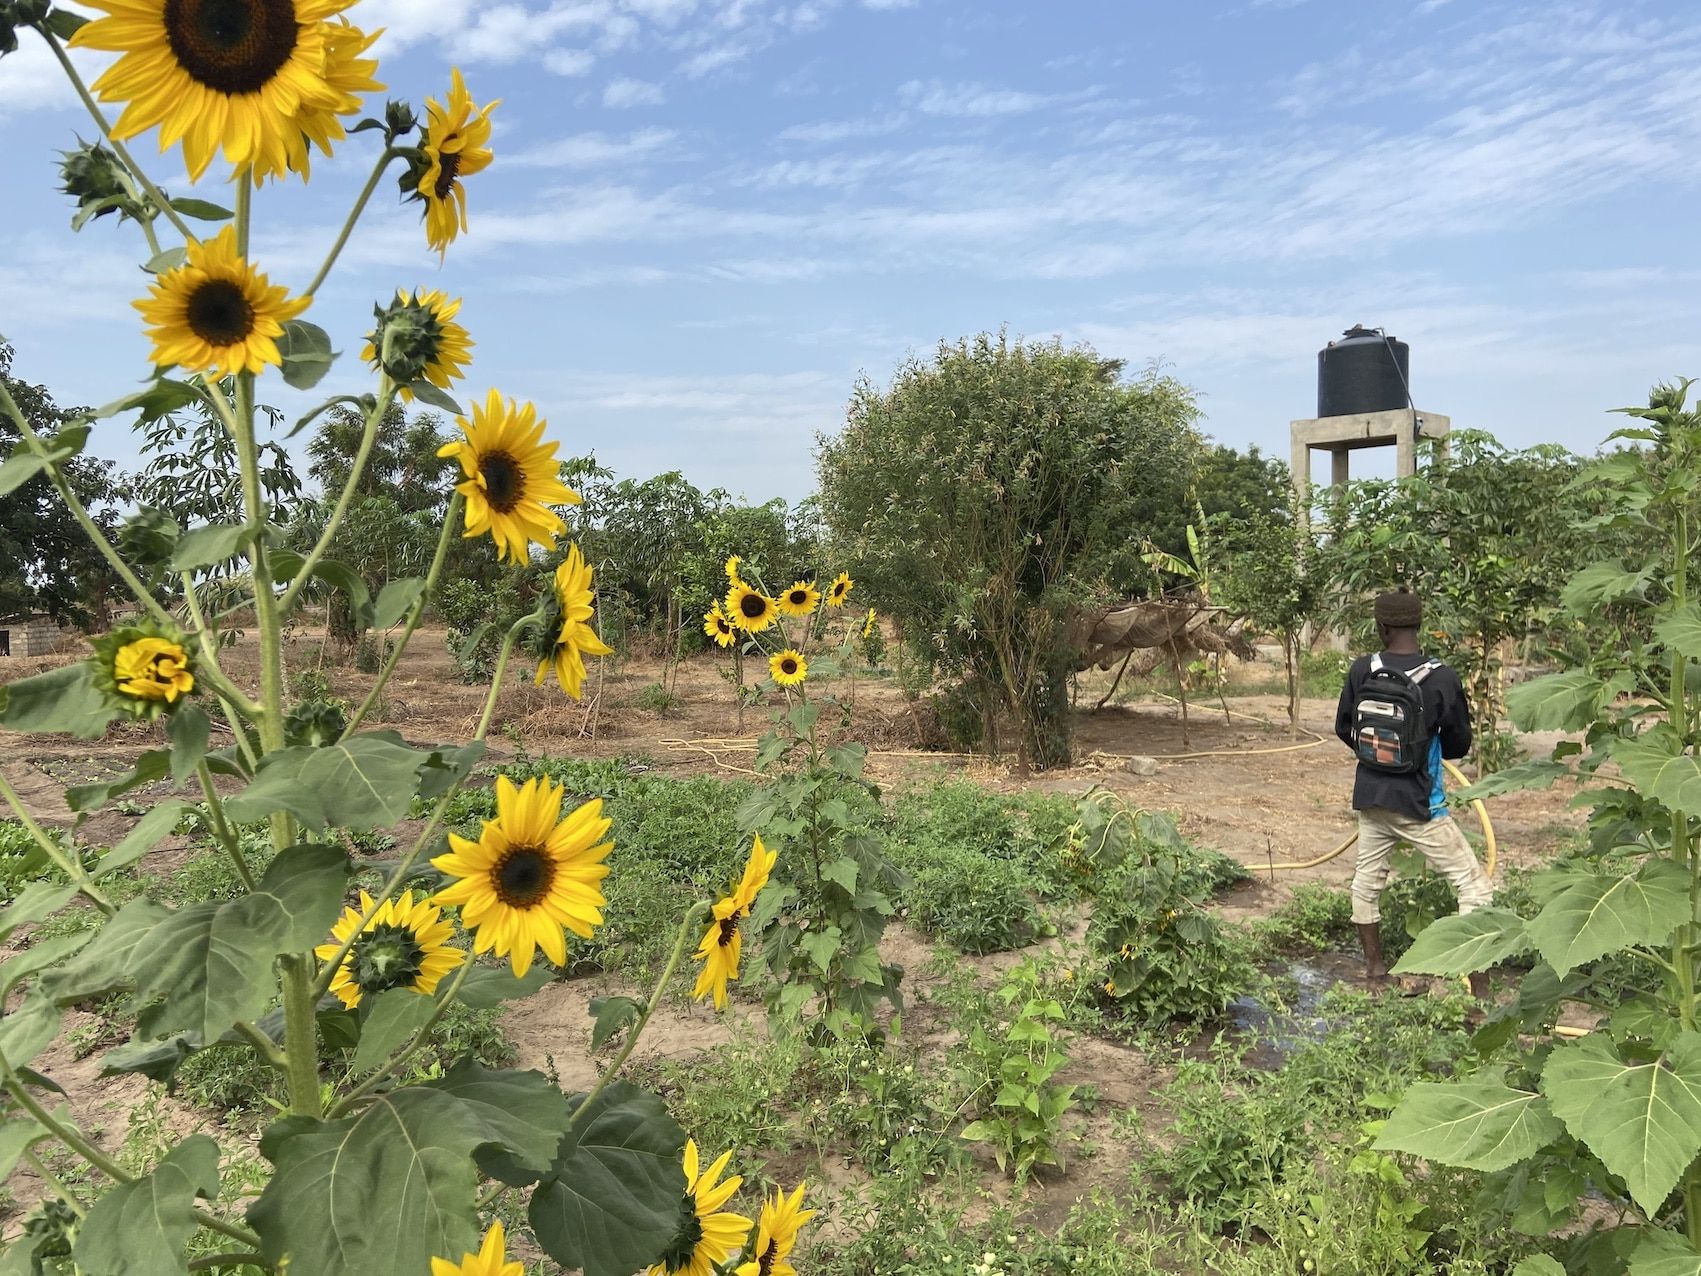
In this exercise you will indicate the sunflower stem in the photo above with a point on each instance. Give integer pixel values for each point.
(228, 697)
(80, 512)
(118, 148)
(70, 865)
(264, 1046)
(406, 1054)
(519, 626)
(55, 1182)
(415, 615)
(14, 1086)
(693, 918)
(368, 437)
(221, 827)
(384, 159)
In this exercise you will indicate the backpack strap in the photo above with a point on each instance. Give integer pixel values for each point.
(1376, 663)
(1424, 670)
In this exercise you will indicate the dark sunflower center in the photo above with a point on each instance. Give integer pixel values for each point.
(522, 877)
(765, 1263)
(386, 957)
(729, 928)
(449, 170)
(219, 313)
(677, 1256)
(752, 606)
(838, 589)
(231, 46)
(788, 666)
(504, 481)
(799, 597)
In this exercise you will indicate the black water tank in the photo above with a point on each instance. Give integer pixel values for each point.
(1363, 372)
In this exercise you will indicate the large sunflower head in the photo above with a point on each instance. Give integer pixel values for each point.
(416, 338)
(249, 78)
(707, 1234)
(750, 609)
(567, 626)
(511, 476)
(144, 671)
(529, 874)
(840, 589)
(788, 668)
(718, 627)
(491, 1259)
(777, 1227)
(800, 599)
(456, 145)
(405, 945)
(216, 313)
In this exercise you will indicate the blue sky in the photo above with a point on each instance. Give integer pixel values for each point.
(707, 217)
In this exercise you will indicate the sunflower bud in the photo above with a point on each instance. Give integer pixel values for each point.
(314, 723)
(95, 178)
(147, 539)
(25, 13)
(399, 120)
(143, 670)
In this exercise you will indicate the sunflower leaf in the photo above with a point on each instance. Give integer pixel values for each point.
(170, 259)
(60, 700)
(610, 1204)
(160, 399)
(524, 1116)
(378, 1194)
(210, 545)
(612, 1014)
(153, 765)
(201, 210)
(142, 1226)
(425, 392)
(64, 24)
(486, 987)
(307, 354)
(395, 600)
(393, 1017)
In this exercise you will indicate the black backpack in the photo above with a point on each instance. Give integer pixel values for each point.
(1389, 732)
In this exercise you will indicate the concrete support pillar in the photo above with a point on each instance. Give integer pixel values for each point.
(1338, 465)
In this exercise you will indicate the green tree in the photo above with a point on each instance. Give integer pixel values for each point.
(1272, 577)
(46, 563)
(1486, 535)
(991, 490)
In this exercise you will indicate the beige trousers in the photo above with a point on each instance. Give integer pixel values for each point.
(1443, 845)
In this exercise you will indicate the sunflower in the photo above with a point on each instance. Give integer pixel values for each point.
(349, 75)
(723, 941)
(153, 669)
(732, 576)
(788, 667)
(781, 1219)
(707, 1234)
(868, 624)
(405, 945)
(511, 476)
(839, 589)
(247, 77)
(717, 626)
(575, 639)
(491, 1259)
(529, 874)
(416, 338)
(215, 312)
(750, 609)
(800, 599)
(456, 145)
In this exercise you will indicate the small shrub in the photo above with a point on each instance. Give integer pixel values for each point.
(1021, 1109)
(876, 1097)
(655, 698)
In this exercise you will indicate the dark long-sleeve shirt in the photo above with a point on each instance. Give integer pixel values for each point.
(1446, 715)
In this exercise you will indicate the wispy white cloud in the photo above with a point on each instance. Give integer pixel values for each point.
(845, 130)
(974, 100)
(593, 150)
(626, 92)
(569, 62)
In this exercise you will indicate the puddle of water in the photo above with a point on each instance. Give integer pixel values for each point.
(1281, 1029)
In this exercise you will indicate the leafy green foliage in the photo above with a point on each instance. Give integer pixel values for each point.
(1021, 1107)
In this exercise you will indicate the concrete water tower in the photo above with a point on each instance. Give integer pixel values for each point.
(1364, 400)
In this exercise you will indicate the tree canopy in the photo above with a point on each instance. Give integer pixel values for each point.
(991, 489)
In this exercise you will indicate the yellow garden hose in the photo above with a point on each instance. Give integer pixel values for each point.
(1491, 848)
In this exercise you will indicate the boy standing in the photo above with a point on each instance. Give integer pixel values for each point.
(1398, 790)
